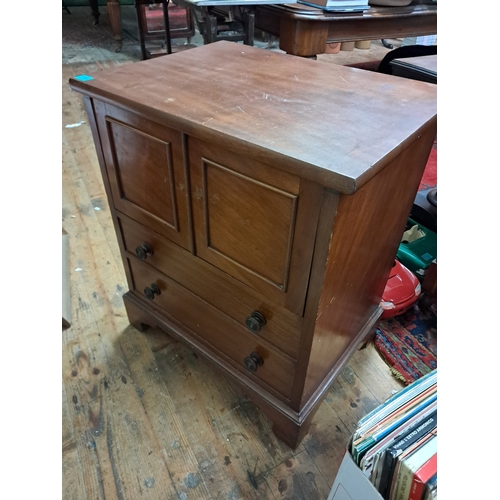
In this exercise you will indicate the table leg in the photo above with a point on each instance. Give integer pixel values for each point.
(303, 38)
(249, 26)
(115, 21)
(211, 27)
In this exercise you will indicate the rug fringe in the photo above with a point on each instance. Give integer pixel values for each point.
(397, 374)
(393, 370)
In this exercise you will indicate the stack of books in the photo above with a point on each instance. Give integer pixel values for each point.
(338, 5)
(395, 445)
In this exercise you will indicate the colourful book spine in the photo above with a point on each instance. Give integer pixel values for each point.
(359, 450)
(421, 476)
(410, 465)
(413, 435)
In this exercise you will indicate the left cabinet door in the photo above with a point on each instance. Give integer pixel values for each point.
(145, 168)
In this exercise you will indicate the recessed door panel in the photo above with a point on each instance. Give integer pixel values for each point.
(146, 171)
(247, 216)
(248, 223)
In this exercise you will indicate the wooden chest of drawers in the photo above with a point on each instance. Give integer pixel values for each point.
(258, 201)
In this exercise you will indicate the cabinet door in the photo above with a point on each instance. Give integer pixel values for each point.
(254, 222)
(145, 167)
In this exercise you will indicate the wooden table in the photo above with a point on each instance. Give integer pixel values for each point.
(305, 31)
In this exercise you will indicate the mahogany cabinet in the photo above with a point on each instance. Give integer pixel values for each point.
(258, 201)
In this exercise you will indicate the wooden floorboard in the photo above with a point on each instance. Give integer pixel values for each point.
(143, 416)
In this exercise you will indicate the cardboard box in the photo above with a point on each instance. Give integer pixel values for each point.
(351, 484)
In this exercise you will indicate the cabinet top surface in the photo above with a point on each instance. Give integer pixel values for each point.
(425, 63)
(336, 125)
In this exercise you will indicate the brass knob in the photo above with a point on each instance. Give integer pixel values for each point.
(255, 322)
(252, 362)
(144, 251)
(152, 290)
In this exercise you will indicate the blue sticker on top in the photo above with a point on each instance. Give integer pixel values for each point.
(83, 78)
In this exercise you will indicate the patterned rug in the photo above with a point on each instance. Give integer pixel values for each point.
(408, 343)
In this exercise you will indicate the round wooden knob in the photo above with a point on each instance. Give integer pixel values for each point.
(252, 362)
(255, 322)
(152, 290)
(144, 251)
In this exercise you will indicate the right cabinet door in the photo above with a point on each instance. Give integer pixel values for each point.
(254, 222)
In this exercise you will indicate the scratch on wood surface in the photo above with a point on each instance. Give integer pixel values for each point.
(239, 107)
(92, 445)
(113, 462)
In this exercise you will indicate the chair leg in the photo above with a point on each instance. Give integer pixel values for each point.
(249, 25)
(167, 26)
(94, 6)
(141, 23)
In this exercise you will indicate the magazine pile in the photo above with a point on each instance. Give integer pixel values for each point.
(395, 445)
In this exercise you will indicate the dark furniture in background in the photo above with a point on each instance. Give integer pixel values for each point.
(265, 252)
(232, 23)
(305, 31)
(153, 16)
(423, 68)
(113, 7)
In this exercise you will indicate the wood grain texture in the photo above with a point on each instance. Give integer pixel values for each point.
(281, 98)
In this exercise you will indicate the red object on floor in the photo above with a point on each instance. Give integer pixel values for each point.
(401, 291)
(429, 178)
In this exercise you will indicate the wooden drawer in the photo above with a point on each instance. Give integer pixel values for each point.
(214, 327)
(282, 327)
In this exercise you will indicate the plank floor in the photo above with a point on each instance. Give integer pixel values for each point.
(145, 417)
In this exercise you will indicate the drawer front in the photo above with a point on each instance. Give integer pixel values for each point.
(145, 167)
(254, 222)
(214, 327)
(281, 328)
